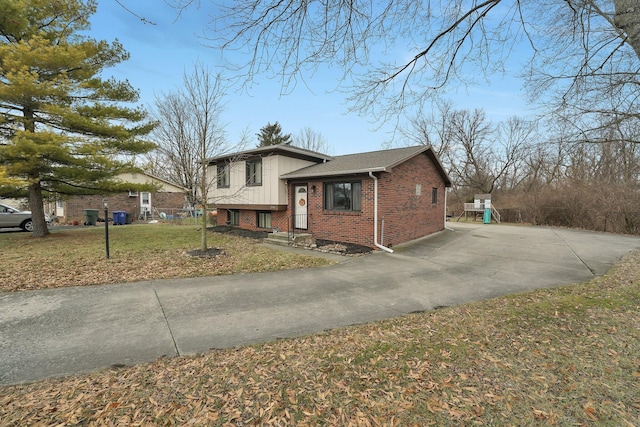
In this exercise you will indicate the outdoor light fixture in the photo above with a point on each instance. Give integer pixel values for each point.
(313, 189)
(105, 203)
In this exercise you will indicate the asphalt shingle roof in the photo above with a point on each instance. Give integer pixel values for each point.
(373, 161)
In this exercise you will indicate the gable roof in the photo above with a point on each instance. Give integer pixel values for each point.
(153, 178)
(373, 161)
(283, 149)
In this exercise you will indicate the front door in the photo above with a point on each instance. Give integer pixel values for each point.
(300, 212)
(145, 204)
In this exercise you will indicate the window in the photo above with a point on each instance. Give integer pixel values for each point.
(254, 172)
(224, 176)
(342, 196)
(234, 217)
(434, 195)
(264, 220)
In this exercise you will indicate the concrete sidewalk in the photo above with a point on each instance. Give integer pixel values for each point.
(70, 330)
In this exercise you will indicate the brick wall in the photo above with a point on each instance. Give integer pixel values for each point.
(249, 219)
(341, 226)
(407, 216)
(119, 202)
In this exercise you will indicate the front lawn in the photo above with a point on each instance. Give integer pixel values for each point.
(77, 256)
(562, 357)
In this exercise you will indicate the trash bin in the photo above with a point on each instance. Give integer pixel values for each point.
(119, 217)
(128, 218)
(90, 216)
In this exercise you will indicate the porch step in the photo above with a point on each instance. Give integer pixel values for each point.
(283, 238)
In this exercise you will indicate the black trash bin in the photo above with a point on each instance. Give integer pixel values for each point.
(90, 216)
(119, 217)
(128, 218)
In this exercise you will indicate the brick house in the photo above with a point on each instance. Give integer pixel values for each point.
(139, 204)
(375, 199)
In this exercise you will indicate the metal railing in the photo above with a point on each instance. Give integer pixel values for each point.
(293, 223)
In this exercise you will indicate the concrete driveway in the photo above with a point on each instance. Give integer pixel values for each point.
(64, 331)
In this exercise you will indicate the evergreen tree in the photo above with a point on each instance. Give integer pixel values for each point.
(271, 134)
(63, 128)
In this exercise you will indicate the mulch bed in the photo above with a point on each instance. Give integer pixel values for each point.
(235, 231)
(210, 252)
(330, 245)
(342, 247)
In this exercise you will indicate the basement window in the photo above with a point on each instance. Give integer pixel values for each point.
(234, 217)
(264, 220)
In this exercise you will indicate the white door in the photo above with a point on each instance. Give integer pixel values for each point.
(300, 207)
(145, 204)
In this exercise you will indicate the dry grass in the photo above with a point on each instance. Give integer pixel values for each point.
(568, 356)
(77, 257)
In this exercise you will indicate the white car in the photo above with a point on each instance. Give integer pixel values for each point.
(12, 217)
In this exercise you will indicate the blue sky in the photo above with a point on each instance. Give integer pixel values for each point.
(161, 53)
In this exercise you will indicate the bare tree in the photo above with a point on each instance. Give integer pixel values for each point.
(433, 129)
(480, 156)
(309, 139)
(471, 154)
(578, 48)
(515, 139)
(189, 133)
(175, 159)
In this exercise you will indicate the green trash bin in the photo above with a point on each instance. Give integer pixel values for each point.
(90, 216)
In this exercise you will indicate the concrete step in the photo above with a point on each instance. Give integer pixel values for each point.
(283, 238)
(272, 241)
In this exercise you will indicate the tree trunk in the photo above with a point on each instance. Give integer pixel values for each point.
(37, 210)
(627, 18)
(203, 196)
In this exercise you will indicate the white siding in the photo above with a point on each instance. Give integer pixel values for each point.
(141, 178)
(273, 190)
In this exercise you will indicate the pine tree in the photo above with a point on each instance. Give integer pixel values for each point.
(63, 128)
(271, 134)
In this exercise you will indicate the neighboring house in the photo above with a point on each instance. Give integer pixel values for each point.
(374, 199)
(139, 204)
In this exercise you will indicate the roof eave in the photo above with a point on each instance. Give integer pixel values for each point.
(336, 173)
(271, 149)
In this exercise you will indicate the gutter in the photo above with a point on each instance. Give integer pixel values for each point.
(375, 215)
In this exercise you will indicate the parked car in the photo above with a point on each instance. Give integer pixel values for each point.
(12, 217)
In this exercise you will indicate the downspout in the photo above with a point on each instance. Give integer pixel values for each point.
(375, 215)
(446, 227)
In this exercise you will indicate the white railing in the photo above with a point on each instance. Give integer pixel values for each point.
(496, 214)
(473, 207)
(479, 207)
